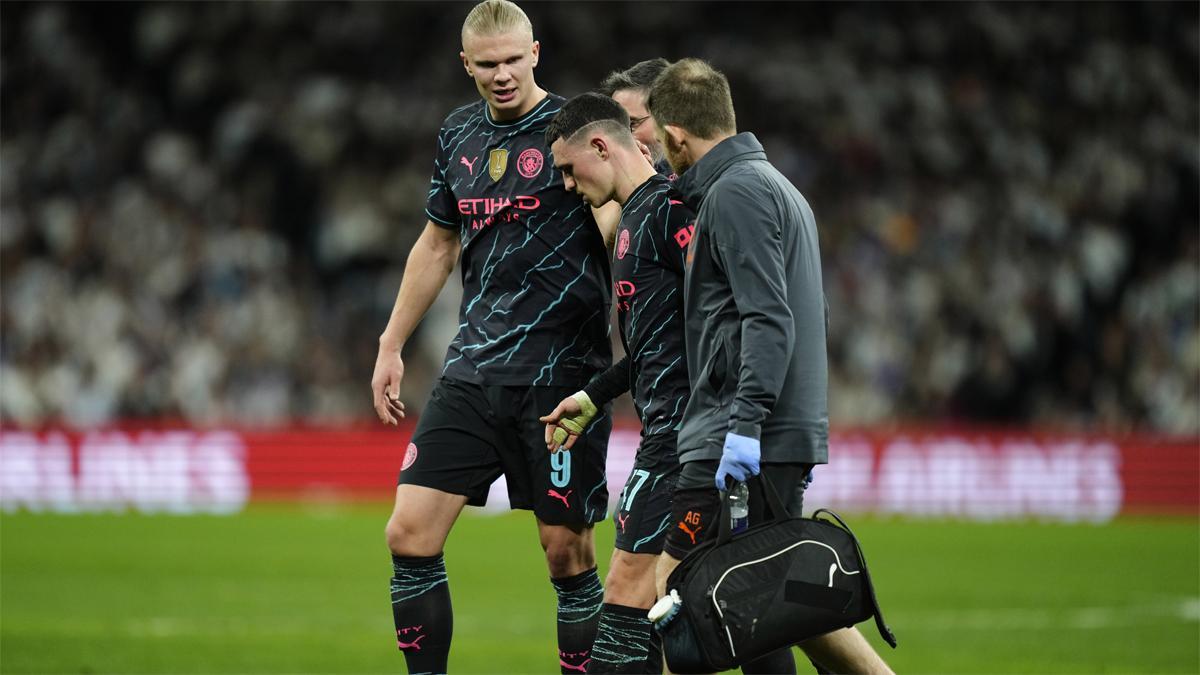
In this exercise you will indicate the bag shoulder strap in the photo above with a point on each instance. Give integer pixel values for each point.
(778, 510)
(884, 632)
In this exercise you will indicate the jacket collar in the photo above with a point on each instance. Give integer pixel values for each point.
(694, 183)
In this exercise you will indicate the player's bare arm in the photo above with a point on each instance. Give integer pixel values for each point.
(608, 217)
(429, 264)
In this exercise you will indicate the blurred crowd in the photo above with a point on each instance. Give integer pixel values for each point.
(205, 207)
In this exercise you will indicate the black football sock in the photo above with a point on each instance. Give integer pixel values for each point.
(777, 662)
(579, 599)
(422, 612)
(623, 642)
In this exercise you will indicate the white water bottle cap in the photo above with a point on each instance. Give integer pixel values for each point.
(665, 607)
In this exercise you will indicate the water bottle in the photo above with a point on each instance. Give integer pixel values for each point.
(665, 609)
(739, 507)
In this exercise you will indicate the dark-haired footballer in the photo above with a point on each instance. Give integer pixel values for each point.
(601, 161)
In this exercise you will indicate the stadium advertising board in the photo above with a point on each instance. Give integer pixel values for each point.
(923, 473)
(176, 471)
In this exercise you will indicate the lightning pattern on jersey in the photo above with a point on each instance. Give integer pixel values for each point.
(535, 276)
(648, 280)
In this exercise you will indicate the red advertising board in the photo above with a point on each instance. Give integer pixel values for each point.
(977, 475)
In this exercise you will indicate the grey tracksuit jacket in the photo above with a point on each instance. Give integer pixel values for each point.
(755, 312)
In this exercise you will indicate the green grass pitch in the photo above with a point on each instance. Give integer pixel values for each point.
(285, 588)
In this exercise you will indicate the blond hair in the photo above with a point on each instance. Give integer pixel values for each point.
(495, 17)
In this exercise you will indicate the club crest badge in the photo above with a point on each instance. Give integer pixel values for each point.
(497, 163)
(529, 162)
(622, 244)
(410, 456)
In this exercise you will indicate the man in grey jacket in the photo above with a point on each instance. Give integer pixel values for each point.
(754, 320)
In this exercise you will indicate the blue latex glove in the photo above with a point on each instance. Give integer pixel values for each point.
(739, 459)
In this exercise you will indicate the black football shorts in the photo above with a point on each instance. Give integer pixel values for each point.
(696, 504)
(469, 434)
(643, 514)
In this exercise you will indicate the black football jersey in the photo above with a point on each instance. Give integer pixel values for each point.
(648, 261)
(535, 269)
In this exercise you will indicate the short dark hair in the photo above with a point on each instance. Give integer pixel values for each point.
(694, 96)
(587, 109)
(638, 77)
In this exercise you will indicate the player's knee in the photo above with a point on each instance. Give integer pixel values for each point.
(568, 550)
(617, 586)
(563, 560)
(630, 582)
(405, 540)
(568, 556)
(630, 579)
(397, 538)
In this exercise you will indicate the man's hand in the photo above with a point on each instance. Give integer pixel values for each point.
(739, 459)
(385, 386)
(645, 150)
(568, 420)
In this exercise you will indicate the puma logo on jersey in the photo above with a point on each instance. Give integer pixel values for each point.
(470, 165)
(554, 493)
(622, 521)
